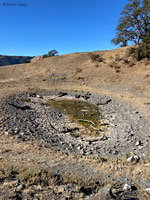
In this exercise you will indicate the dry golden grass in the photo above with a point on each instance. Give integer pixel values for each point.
(130, 84)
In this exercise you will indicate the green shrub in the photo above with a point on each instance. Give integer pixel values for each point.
(143, 51)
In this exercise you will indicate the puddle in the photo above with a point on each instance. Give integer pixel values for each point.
(81, 112)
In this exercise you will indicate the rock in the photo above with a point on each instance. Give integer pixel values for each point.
(16, 130)
(138, 143)
(6, 133)
(147, 164)
(79, 147)
(147, 190)
(103, 193)
(60, 189)
(77, 96)
(130, 159)
(38, 96)
(127, 187)
(22, 133)
(103, 138)
(134, 158)
(33, 94)
(12, 182)
(103, 102)
(61, 94)
(140, 147)
(38, 187)
(19, 188)
(87, 96)
(36, 58)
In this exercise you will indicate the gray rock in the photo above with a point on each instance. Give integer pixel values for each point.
(138, 143)
(134, 158)
(126, 187)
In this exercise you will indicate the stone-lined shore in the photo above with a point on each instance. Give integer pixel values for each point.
(28, 116)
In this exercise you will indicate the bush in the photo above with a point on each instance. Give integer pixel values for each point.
(114, 65)
(126, 61)
(118, 58)
(143, 51)
(45, 56)
(96, 57)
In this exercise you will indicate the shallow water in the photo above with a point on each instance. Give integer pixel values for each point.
(79, 111)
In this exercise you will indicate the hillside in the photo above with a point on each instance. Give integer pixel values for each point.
(11, 60)
(50, 155)
(116, 74)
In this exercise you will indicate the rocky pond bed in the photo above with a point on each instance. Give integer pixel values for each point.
(94, 126)
(122, 129)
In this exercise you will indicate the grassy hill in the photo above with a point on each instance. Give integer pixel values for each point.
(110, 73)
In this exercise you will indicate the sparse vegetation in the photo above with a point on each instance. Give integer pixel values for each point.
(118, 58)
(114, 65)
(126, 61)
(96, 57)
(44, 177)
(100, 159)
(35, 90)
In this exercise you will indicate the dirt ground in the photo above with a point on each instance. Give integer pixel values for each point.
(116, 75)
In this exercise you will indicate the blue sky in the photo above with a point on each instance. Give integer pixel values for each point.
(65, 25)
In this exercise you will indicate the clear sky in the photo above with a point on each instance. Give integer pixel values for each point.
(68, 26)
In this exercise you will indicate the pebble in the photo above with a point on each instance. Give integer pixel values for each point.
(138, 143)
(60, 190)
(21, 133)
(147, 164)
(20, 187)
(127, 187)
(134, 158)
(147, 190)
(6, 133)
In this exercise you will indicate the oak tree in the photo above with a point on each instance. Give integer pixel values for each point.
(134, 25)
